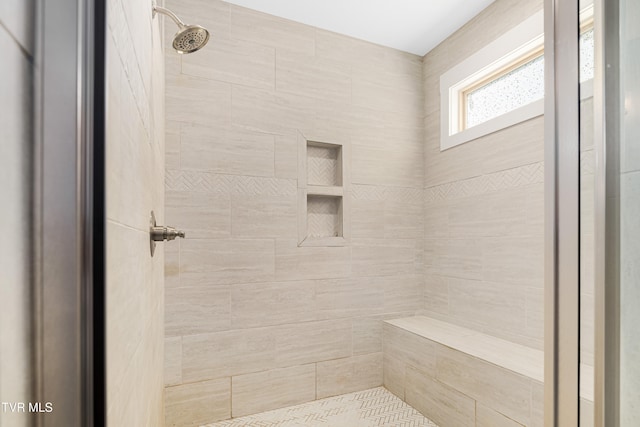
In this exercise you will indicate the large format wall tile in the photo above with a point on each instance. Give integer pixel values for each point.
(488, 304)
(200, 216)
(494, 386)
(313, 77)
(172, 361)
(383, 257)
(367, 335)
(274, 303)
(172, 145)
(227, 353)
(402, 346)
(198, 403)
(385, 165)
(244, 351)
(264, 216)
(394, 375)
(197, 310)
(517, 260)
(302, 343)
(484, 203)
(188, 100)
(286, 156)
(271, 111)
(442, 404)
(269, 30)
(242, 296)
(301, 263)
(263, 391)
(436, 294)
(460, 258)
(220, 262)
(342, 376)
(234, 61)
(346, 298)
(226, 150)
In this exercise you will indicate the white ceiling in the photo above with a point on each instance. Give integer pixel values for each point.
(415, 26)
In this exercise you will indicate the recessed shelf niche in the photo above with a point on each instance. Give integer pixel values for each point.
(324, 164)
(324, 216)
(323, 206)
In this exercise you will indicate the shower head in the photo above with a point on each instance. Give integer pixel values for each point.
(189, 38)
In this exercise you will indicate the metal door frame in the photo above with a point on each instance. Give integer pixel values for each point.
(69, 211)
(562, 213)
(607, 213)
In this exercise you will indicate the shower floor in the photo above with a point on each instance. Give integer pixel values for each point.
(374, 407)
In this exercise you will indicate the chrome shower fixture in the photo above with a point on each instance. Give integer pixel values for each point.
(189, 38)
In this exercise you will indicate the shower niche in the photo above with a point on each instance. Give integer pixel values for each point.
(322, 192)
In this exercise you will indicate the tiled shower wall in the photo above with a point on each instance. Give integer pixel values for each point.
(484, 204)
(134, 170)
(254, 322)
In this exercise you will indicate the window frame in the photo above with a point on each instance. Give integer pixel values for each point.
(517, 47)
(490, 62)
(524, 59)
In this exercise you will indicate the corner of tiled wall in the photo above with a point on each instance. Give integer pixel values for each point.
(484, 204)
(252, 318)
(135, 169)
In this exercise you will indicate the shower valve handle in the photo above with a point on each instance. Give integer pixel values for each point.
(160, 233)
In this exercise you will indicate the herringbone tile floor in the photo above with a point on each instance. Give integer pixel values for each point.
(368, 408)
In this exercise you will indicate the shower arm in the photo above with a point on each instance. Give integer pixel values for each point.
(162, 10)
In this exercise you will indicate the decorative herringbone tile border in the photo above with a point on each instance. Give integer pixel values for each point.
(376, 407)
(207, 182)
(503, 180)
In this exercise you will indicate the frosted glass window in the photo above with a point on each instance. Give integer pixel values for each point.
(587, 53)
(508, 92)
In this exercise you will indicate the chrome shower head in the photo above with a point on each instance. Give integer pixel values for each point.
(189, 38)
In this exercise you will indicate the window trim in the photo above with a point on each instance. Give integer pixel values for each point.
(517, 43)
(518, 46)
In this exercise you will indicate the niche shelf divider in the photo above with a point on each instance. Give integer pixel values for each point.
(323, 191)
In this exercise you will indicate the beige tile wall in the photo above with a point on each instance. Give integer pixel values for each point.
(16, 123)
(244, 303)
(135, 171)
(484, 204)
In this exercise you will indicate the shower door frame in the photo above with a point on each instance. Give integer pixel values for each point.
(607, 117)
(562, 213)
(69, 213)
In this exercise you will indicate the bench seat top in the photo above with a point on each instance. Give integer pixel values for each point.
(515, 357)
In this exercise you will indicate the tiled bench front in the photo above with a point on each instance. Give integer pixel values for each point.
(458, 377)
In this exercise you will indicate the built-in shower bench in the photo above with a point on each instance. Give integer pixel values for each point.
(460, 377)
